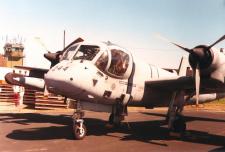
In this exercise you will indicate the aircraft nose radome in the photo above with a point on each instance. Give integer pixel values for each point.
(62, 81)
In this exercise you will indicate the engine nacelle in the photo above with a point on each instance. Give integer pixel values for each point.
(211, 62)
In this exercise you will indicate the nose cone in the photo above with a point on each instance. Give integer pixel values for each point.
(201, 55)
(63, 80)
(51, 56)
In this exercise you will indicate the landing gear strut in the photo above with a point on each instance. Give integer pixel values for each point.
(79, 129)
(176, 121)
(118, 114)
(115, 120)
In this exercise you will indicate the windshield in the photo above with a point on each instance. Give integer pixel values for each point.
(69, 52)
(86, 52)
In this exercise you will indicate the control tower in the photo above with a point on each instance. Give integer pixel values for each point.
(13, 53)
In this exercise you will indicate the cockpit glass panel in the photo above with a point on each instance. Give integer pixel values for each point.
(119, 62)
(69, 52)
(102, 61)
(86, 52)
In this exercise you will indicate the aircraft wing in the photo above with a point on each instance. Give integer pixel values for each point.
(185, 83)
(34, 72)
(172, 84)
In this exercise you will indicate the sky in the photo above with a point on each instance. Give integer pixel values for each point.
(133, 24)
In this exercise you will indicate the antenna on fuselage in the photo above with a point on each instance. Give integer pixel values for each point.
(64, 39)
(108, 43)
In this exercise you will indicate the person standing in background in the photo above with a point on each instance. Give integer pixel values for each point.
(18, 95)
(21, 94)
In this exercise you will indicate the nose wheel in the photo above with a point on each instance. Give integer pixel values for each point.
(79, 129)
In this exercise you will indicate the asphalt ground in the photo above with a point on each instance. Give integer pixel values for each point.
(143, 130)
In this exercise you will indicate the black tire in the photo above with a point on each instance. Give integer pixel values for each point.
(111, 119)
(179, 125)
(76, 131)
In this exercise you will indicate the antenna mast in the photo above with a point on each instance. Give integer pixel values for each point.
(64, 39)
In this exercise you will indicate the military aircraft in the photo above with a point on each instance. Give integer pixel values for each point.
(102, 76)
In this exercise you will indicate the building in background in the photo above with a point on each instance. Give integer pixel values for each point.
(2, 61)
(13, 54)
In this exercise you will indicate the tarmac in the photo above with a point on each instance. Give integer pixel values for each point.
(30, 130)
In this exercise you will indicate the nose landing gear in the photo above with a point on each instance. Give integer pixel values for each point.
(79, 129)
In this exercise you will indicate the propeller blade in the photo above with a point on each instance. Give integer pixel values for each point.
(220, 39)
(183, 48)
(165, 39)
(38, 40)
(197, 84)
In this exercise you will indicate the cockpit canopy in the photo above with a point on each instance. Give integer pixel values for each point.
(118, 64)
(115, 62)
(111, 60)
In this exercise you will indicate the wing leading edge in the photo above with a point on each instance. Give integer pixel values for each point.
(186, 83)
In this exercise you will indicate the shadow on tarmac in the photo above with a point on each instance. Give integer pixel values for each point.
(199, 136)
(60, 127)
(187, 118)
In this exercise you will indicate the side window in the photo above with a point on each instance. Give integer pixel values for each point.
(119, 62)
(102, 61)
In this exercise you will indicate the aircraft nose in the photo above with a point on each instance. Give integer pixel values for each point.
(63, 81)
